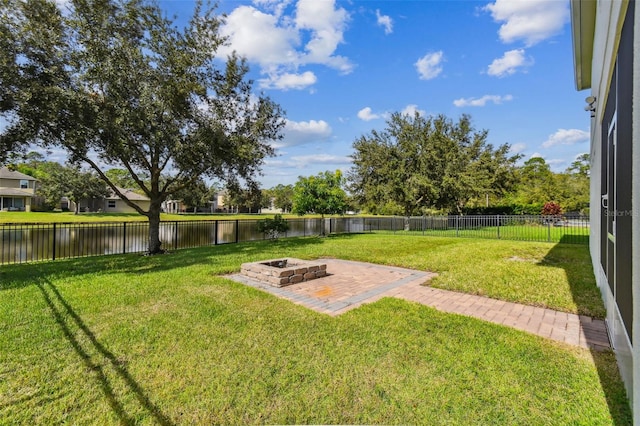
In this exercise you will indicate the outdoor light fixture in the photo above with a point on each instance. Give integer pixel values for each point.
(591, 107)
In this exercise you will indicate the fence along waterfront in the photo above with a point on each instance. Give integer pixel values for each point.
(20, 243)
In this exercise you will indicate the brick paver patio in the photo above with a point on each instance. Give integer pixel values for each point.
(350, 284)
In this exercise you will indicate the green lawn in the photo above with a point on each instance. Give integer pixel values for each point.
(520, 232)
(166, 339)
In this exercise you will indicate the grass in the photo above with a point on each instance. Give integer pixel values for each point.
(556, 276)
(520, 232)
(166, 339)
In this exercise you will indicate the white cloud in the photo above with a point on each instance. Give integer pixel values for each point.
(302, 161)
(277, 6)
(259, 37)
(566, 137)
(274, 40)
(385, 21)
(555, 161)
(480, 102)
(509, 63)
(429, 66)
(531, 21)
(274, 163)
(288, 81)
(366, 114)
(411, 110)
(517, 148)
(303, 132)
(327, 25)
(536, 155)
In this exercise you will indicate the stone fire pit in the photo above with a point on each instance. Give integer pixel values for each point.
(285, 271)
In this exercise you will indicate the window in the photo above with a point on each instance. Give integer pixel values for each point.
(111, 204)
(24, 184)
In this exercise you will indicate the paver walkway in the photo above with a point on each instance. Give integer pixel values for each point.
(350, 284)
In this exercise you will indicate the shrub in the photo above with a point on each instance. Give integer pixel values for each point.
(551, 209)
(273, 228)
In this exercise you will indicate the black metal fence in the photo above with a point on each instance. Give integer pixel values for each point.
(570, 230)
(21, 243)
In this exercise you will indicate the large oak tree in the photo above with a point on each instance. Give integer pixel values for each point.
(117, 84)
(420, 163)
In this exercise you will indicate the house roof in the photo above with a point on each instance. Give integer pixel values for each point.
(132, 196)
(5, 173)
(583, 24)
(15, 192)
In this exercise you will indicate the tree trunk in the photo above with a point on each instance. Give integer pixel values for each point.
(407, 219)
(154, 230)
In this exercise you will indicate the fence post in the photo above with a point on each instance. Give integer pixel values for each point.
(124, 237)
(458, 226)
(53, 257)
(215, 233)
(498, 226)
(175, 238)
(237, 230)
(548, 231)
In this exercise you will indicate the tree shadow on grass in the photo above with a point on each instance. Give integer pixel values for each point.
(224, 256)
(612, 386)
(575, 260)
(60, 310)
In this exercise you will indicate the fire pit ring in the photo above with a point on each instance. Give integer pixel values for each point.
(284, 271)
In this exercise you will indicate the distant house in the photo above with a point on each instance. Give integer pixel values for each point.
(607, 59)
(17, 190)
(112, 203)
(173, 206)
(178, 206)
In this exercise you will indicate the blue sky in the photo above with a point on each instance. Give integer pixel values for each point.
(339, 68)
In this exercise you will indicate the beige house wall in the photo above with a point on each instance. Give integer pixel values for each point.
(122, 207)
(15, 184)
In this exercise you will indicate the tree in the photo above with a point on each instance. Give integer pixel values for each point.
(321, 194)
(575, 182)
(266, 198)
(195, 195)
(396, 166)
(537, 185)
(57, 181)
(418, 163)
(472, 168)
(282, 197)
(249, 199)
(123, 179)
(581, 166)
(118, 79)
